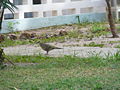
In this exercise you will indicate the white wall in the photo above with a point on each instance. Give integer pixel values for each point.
(99, 7)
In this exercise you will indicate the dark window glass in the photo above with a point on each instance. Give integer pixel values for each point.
(8, 16)
(28, 15)
(17, 2)
(36, 1)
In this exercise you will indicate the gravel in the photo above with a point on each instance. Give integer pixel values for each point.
(70, 50)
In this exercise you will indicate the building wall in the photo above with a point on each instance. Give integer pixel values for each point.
(116, 8)
(35, 23)
(54, 12)
(59, 7)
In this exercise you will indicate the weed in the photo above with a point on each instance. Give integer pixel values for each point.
(9, 42)
(118, 46)
(112, 42)
(93, 44)
(97, 27)
(11, 26)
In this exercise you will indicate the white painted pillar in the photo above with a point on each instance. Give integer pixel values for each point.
(30, 2)
(116, 7)
(49, 1)
(67, 1)
(40, 14)
(59, 12)
(21, 15)
(77, 10)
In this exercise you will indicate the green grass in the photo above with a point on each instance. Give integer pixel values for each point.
(112, 42)
(93, 44)
(98, 27)
(63, 73)
(118, 46)
(118, 27)
(9, 42)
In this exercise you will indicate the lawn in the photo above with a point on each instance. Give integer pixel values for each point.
(62, 73)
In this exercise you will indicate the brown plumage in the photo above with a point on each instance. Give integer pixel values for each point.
(47, 47)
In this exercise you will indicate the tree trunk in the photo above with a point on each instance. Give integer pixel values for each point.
(111, 21)
(1, 57)
(1, 18)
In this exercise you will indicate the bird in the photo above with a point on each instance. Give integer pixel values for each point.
(47, 47)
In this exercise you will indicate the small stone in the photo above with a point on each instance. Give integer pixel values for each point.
(33, 35)
(55, 35)
(62, 33)
(12, 36)
(41, 37)
(25, 36)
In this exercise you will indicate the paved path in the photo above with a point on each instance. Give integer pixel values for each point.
(77, 51)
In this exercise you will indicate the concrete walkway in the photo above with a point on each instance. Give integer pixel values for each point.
(77, 51)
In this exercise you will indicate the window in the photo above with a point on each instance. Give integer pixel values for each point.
(36, 1)
(43, 1)
(50, 13)
(54, 13)
(30, 14)
(86, 10)
(118, 2)
(99, 9)
(58, 1)
(47, 14)
(35, 14)
(16, 15)
(17, 2)
(119, 15)
(112, 3)
(20, 2)
(9, 16)
(68, 11)
(76, 0)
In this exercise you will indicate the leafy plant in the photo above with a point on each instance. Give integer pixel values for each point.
(6, 4)
(11, 26)
(93, 44)
(98, 27)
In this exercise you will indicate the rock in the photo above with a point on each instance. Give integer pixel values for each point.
(33, 35)
(62, 33)
(2, 37)
(41, 37)
(25, 36)
(12, 36)
(55, 35)
(47, 36)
